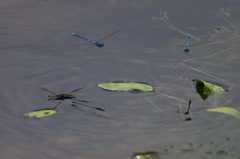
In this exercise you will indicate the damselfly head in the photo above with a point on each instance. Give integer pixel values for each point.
(99, 44)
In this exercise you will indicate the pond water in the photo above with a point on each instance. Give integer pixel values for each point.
(38, 51)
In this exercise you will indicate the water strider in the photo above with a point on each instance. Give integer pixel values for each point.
(70, 95)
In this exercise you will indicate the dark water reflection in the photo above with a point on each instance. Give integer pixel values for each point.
(37, 50)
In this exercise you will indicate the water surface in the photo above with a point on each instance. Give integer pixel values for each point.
(37, 50)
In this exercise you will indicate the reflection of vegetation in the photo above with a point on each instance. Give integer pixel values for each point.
(218, 36)
(226, 36)
(145, 155)
(168, 24)
(224, 14)
(210, 75)
(224, 42)
(163, 88)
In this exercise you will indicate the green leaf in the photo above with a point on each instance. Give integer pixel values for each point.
(40, 113)
(145, 155)
(206, 89)
(226, 110)
(126, 86)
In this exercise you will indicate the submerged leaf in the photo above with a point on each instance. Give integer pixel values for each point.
(145, 155)
(205, 89)
(126, 86)
(40, 113)
(226, 110)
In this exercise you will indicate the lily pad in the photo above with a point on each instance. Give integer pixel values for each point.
(226, 110)
(126, 86)
(205, 89)
(40, 113)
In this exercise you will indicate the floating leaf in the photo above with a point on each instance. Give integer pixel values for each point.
(126, 86)
(205, 89)
(227, 110)
(145, 155)
(40, 113)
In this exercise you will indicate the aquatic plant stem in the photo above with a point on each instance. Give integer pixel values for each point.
(153, 104)
(205, 73)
